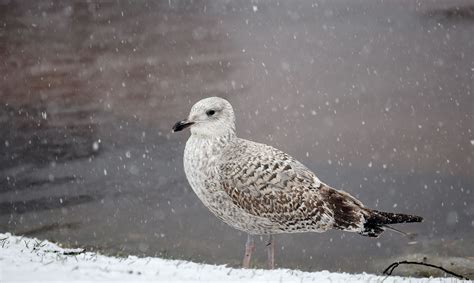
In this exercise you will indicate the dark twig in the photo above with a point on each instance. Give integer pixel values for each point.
(73, 253)
(3, 241)
(391, 268)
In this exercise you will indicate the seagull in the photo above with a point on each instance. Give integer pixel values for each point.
(261, 190)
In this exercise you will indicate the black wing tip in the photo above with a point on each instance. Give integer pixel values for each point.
(406, 218)
(380, 217)
(378, 221)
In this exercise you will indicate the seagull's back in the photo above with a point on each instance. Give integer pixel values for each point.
(269, 183)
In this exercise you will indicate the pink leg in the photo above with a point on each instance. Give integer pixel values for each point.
(249, 249)
(271, 252)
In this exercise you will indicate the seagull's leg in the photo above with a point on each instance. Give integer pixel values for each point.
(249, 249)
(271, 252)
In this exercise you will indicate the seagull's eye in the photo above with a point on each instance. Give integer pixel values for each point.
(210, 112)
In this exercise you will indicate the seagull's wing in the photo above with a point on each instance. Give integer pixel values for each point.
(267, 182)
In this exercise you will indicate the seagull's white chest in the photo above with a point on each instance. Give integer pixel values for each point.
(201, 157)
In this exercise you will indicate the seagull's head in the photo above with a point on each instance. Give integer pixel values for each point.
(211, 117)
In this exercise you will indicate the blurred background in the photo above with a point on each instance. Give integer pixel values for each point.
(376, 97)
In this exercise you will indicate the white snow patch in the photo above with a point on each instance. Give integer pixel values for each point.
(29, 259)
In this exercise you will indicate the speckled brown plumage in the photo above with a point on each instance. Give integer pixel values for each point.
(261, 190)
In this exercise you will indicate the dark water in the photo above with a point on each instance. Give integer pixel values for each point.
(376, 97)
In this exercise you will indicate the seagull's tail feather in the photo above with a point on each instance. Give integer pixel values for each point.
(378, 221)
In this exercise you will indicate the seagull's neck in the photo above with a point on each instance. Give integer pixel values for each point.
(220, 139)
(213, 145)
(203, 152)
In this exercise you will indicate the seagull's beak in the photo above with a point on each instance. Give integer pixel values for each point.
(181, 125)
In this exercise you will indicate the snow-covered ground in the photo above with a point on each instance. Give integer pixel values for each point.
(27, 259)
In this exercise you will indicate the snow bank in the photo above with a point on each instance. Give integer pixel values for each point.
(34, 260)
